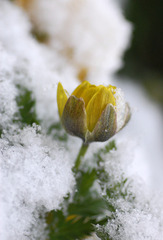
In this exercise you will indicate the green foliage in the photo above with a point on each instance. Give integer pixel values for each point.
(57, 131)
(85, 211)
(0, 131)
(99, 158)
(26, 104)
(27, 115)
(112, 192)
(87, 208)
(86, 201)
(116, 190)
(74, 227)
(102, 234)
(85, 181)
(81, 213)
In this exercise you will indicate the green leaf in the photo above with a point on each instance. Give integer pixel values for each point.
(58, 132)
(110, 146)
(68, 228)
(85, 181)
(88, 211)
(81, 214)
(102, 234)
(112, 192)
(1, 131)
(26, 104)
(88, 207)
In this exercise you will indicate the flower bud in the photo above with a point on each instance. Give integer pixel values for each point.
(93, 113)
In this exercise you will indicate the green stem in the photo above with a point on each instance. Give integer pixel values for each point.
(81, 154)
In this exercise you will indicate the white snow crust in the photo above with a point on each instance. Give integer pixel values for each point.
(142, 217)
(34, 176)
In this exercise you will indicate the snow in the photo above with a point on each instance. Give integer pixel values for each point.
(90, 34)
(120, 108)
(35, 171)
(141, 222)
(139, 159)
(145, 133)
(35, 176)
(7, 89)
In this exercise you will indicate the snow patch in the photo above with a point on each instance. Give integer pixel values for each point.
(37, 175)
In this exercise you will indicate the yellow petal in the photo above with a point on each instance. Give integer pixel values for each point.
(61, 98)
(106, 126)
(88, 93)
(79, 90)
(96, 106)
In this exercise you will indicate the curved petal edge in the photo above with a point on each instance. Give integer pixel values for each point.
(74, 117)
(105, 127)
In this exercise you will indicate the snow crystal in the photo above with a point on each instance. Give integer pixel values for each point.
(120, 108)
(37, 175)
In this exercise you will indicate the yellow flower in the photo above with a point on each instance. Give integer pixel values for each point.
(90, 112)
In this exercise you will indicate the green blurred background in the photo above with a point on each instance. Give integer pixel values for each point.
(143, 61)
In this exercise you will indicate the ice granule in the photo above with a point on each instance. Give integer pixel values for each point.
(35, 176)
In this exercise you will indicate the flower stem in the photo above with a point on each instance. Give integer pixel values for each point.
(81, 154)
